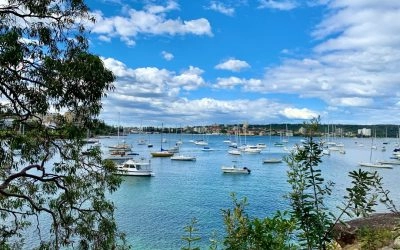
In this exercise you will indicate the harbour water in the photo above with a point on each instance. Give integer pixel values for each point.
(153, 211)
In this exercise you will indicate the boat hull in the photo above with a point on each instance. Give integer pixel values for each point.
(162, 154)
(374, 165)
(183, 158)
(135, 173)
(272, 160)
(235, 170)
(234, 152)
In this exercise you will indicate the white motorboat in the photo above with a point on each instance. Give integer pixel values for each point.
(234, 169)
(183, 158)
(201, 142)
(134, 167)
(234, 152)
(251, 149)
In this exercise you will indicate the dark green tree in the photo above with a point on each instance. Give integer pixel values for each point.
(46, 68)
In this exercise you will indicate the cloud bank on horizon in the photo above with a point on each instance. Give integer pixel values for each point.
(266, 61)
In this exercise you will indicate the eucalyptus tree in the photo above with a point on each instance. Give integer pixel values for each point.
(49, 190)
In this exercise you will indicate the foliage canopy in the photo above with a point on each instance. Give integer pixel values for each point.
(46, 68)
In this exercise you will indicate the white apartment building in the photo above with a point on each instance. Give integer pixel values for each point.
(364, 132)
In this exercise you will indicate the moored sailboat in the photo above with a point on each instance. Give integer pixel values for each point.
(371, 164)
(162, 152)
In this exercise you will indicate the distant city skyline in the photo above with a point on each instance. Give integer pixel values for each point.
(267, 61)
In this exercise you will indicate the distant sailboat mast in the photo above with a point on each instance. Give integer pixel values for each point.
(372, 146)
(161, 137)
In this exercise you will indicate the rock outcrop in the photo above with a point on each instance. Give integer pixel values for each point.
(346, 234)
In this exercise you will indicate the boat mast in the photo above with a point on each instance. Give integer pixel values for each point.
(372, 145)
(119, 123)
(270, 137)
(162, 129)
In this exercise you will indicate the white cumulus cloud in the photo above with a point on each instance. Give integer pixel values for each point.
(295, 113)
(280, 5)
(153, 94)
(167, 56)
(228, 83)
(152, 20)
(233, 65)
(189, 79)
(221, 8)
(354, 66)
(352, 101)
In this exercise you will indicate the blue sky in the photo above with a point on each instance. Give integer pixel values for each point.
(258, 61)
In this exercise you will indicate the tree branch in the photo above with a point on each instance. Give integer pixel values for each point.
(22, 173)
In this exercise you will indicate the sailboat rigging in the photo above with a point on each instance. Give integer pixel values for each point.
(162, 152)
(370, 163)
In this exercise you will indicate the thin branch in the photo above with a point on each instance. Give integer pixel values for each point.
(13, 11)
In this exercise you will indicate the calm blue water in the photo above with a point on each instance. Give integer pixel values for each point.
(153, 211)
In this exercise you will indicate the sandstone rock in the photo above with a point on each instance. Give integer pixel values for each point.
(396, 243)
(346, 234)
